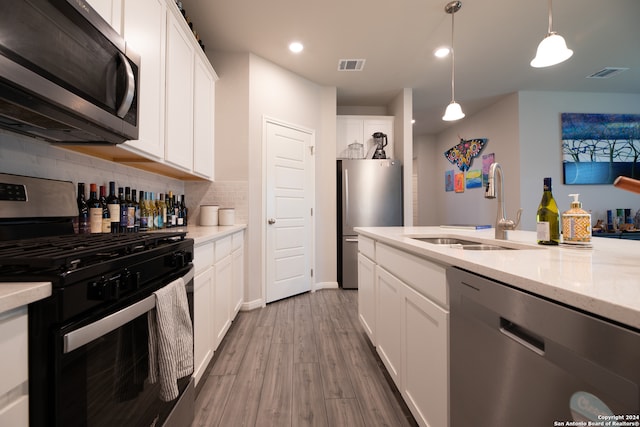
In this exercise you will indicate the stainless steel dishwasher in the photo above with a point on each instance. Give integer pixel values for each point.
(518, 359)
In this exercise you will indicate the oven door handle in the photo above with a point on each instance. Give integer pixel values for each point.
(76, 339)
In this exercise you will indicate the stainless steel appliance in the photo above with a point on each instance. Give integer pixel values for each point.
(380, 140)
(66, 76)
(89, 358)
(369, 195)
(520, 359)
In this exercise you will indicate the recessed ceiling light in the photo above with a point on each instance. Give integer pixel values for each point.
(296, 47)
(441, 52)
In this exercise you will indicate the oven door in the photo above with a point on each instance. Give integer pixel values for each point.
(102, 376)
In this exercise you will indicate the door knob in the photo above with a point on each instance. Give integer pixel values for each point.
(271, 221)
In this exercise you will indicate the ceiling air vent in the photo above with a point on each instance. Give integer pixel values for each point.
(607, 73)
(351, 64)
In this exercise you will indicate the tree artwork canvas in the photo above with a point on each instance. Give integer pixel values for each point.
(597, 148)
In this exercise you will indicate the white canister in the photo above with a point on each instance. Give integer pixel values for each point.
(227, 216)
(209, 215)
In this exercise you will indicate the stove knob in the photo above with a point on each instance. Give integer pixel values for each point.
(176, 259)
(104, 289)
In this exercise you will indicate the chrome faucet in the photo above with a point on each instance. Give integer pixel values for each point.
(495, 185)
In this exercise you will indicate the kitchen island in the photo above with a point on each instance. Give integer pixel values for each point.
(406, 305)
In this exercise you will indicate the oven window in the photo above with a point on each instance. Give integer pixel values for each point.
(105, 382)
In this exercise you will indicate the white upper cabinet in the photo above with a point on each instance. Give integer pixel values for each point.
(179, 101)
(203, 117)
(110, 10)
(177, 90)
(144, 30)
(360, 130)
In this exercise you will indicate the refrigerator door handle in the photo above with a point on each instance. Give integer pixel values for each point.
(346, 194)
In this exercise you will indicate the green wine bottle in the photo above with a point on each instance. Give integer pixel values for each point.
(548, 217)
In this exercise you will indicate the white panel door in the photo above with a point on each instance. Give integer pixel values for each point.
(289, 190)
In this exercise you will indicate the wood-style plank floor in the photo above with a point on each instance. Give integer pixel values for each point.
(302, 361)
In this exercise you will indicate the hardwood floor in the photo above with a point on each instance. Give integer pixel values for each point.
(302, 361)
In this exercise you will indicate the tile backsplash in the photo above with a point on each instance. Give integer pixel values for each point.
(226, 194)
(27, 156)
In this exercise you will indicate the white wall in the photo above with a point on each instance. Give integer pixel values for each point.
(524, 133)
(429, 181)
(402, 109)
(499, 124)
(259, 90)
(541, 152)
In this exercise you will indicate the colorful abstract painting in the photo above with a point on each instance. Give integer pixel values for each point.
(597, 148)
(487, 159)
(463, 153)
(458, 183)
(474, 178)
(448, 180)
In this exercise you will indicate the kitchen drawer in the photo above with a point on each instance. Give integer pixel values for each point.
(14, 349)
(203, 257)
(223, 248)
(426, 277)
(366, 246)
(237, 241)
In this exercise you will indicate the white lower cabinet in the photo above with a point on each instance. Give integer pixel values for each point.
(411, 329)
(237, 274)
(202, 323)
(388, 322)
(366, 296)
(14, 347)
(425, 358)
(218, 294)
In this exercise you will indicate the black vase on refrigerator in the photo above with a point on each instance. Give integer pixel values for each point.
(369, 195)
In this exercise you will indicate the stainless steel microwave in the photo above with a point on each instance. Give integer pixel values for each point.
(66, 76)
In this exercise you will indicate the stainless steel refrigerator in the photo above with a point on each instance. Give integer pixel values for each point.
(369, 195)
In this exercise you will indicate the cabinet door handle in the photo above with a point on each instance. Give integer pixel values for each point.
(271, 221)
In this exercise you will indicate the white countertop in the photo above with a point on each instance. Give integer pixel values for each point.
(13, 295)
(201, 233)
(604, 280)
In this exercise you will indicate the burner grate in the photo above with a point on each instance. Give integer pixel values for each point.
(72, 251)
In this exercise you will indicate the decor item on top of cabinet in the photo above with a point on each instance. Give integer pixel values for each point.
(463, 153)
(487, 159)
(597, 148)
(448, 180)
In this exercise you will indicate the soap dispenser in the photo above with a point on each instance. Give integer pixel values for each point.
(576, 224)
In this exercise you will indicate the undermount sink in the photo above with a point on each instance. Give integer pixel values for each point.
(485, 247)
(462, 243)
(445, 241)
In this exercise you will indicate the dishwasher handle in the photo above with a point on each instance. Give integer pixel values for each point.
(522, 336)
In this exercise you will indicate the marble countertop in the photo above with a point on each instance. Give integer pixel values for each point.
(13, 295)
(603, 280)
(201, 234)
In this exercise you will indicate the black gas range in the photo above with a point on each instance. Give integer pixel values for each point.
(90, 342)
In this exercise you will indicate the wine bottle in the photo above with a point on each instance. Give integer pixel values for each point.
(144, 214)
(124, 211)
(548, 217)
(131, 210)
(180, 212)
(185, 211)
(160, 213)
(114, 208)
(136, 208)
(95, 209)
(83, 211)
(106, 216)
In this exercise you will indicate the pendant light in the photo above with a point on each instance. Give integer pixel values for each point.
(552, 49)
(453, 111)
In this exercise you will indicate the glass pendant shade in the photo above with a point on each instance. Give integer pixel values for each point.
(453, 112)
(552, 50)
